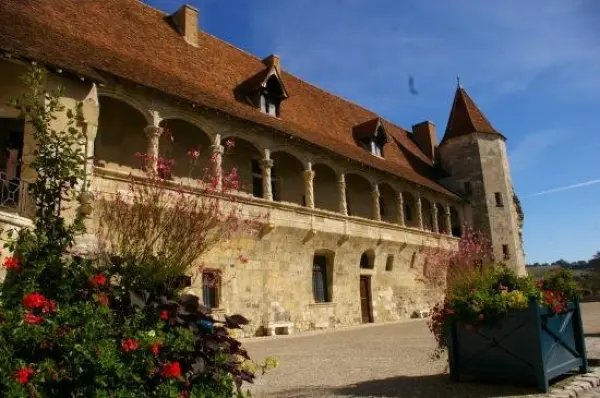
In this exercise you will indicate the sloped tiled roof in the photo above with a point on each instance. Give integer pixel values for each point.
(129, 39)
(466, 118)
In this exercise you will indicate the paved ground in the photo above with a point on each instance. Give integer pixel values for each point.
(391, 360)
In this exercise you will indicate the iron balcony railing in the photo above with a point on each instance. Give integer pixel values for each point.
(14, 196)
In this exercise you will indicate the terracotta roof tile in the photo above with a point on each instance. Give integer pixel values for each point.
(131, 40)
(466, 118)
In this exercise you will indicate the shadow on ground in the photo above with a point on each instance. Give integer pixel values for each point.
(430, 386)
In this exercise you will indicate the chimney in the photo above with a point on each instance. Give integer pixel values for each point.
(424, 134)
(186, 21)
(273, 60)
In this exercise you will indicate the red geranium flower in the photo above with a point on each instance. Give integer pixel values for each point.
(155, 349)
(32, 319)
(11, 263)
(171, 370)
(34, 300)
(164, 315)
(22, 375)
(49, 306)
(129, 345)
(98, 280)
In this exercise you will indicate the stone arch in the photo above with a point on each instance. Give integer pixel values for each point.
(367, 259)
(181, 142)
(169, 113)
(258, 144)
(287, 173)
(322, 275)
(410, 209)
(130, 101)
(120, 134)
(301, 157)
(455, 221)
(359, 197)
(427, 214)
(441, 218)
(388, 203)
(325, 187)
(245, 157)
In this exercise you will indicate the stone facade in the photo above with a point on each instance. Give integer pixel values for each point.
(316, 203)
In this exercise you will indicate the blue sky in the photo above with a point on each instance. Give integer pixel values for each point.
(532, 67)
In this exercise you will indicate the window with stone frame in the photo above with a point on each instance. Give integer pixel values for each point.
(499, 200)
(271, 96)
(11, 150)
(211, 288)
(321, 279)
(367, 260)
(505, 252)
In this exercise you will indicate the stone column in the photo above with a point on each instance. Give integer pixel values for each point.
(153, 134)
(266, 164)
(400, 210)
(448, 220)
(343, 205)
(419, 212)
(376, 204)
(217, 166)
(309, 192)
(434, 215)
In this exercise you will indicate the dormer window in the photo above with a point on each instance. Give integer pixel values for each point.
(265, 91)
(371, 136)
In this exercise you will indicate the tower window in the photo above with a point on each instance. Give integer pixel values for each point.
(468, 188)
(505, 252)
(499, 202)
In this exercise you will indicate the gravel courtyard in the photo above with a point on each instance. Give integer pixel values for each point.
(390, 360)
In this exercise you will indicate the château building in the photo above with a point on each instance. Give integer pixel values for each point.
(350, 196)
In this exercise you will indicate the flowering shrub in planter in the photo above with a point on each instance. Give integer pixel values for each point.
(71, 327)
(500, 325)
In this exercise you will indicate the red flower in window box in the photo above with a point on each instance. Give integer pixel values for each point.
(171, 370)
(22, 375)
(11, 263)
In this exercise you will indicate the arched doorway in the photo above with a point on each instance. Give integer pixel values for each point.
(367, 262)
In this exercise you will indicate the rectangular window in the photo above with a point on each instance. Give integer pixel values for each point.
(11, 150)
(376, 149)
(319, 279)
(505, 252)
(468, 188)
(211, 288)
(499, 202)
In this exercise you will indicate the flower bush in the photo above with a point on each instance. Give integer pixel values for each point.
(492, 293)
(71, 327)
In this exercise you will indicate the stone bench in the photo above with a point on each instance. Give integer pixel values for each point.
(272, 326)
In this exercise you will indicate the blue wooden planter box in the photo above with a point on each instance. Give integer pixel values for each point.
(530, 346)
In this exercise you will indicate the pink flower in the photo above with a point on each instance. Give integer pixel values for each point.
(194, 154)
(480, 317)
(229, 144)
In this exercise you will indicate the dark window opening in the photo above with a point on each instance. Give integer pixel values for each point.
(389, 264)
(366, 260)
(320, 280)
(408, 214)
(211, 288)
(270, 97)
(499, 201)
(505, 252)
(381, 207)
(348, 209)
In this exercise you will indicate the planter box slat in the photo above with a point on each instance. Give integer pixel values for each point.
(529, 346)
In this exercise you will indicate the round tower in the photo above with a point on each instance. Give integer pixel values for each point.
(474, 154)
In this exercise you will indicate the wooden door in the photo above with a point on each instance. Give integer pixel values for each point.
(365, 299)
